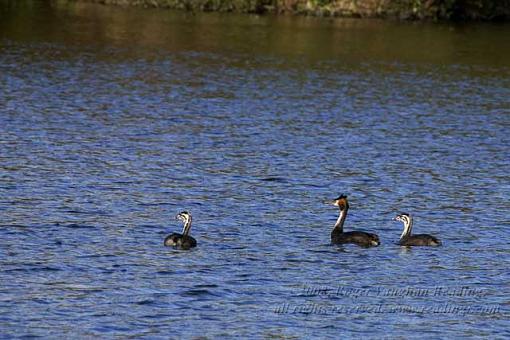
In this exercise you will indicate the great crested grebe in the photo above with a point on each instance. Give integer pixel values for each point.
(406, 239)
(338, 236)
(182, 241)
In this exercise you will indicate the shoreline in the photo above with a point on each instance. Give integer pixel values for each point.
(417, 10)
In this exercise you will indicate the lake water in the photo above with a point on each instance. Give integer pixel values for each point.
(113, 120)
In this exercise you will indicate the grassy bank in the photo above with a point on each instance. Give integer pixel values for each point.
(402, 9)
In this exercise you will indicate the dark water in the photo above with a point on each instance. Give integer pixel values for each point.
(113, 120)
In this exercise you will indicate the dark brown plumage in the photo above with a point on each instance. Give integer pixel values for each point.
(338, 236)
(408, 240)
(182, 241)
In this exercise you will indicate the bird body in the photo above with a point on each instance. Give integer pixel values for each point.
(408, 240)
(338, 236)
(360, 238)
(182, 241)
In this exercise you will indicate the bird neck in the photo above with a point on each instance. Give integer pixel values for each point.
(408, 226)
(187, 226)
(339, 225)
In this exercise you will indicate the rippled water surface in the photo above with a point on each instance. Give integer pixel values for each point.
(113, 120)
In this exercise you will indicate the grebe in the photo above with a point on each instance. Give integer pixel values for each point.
(182, 241)
(338, 236)
(415, 240)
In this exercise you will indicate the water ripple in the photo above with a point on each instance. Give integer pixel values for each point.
(105, 138)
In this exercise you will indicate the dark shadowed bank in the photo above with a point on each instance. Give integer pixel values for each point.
(402, 9)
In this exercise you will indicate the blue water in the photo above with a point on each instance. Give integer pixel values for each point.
(103, 141)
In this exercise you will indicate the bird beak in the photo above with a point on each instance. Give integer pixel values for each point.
(329, 202)
(177, 216)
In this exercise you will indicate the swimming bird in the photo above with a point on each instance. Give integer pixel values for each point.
(182, 241)
(338, 236)
(406, 239)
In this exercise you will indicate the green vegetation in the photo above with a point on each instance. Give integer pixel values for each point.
(402, 9)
